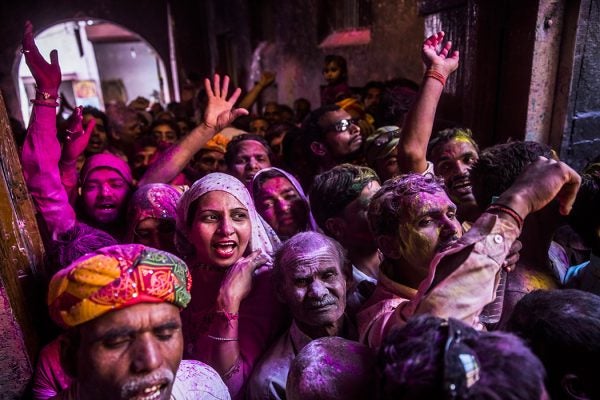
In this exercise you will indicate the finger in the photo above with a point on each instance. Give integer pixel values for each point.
(455, 54)
(217, 85)
(90, 127)
(225, 86)
(54, 57)
(234, 96)
(238, 112)
(568, 193)
(208, 87)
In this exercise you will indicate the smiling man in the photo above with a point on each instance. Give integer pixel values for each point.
(120, 305)
(311, 277)
(453, 153)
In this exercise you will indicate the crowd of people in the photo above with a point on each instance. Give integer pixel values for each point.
(200, 251)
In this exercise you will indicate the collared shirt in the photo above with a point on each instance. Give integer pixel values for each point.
(269, 378)
(460, 282)
(270, 375)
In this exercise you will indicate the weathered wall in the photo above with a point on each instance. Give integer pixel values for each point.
(581, 140)
(394, 51)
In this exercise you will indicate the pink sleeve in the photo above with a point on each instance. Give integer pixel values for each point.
(40, 157)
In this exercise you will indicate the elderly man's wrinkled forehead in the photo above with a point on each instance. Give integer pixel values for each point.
(308, 247)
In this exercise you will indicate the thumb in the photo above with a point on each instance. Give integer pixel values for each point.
(54, 57)
(238, 112)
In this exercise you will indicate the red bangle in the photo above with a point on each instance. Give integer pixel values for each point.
(507, 210)
(436, 75)
(228, 316)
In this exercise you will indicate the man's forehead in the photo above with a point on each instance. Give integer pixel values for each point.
(332, 117)
(454, 147)
(141, 316)
(424, 203)
(103, 174)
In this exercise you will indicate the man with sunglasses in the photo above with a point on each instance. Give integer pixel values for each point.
(334, 137)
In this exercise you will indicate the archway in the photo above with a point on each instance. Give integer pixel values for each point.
(101, 62)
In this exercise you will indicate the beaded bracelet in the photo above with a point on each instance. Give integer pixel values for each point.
(507, 210)
(222, 339)
(436, 75)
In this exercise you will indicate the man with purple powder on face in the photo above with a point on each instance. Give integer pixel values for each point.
(429, 266)
(311, 276)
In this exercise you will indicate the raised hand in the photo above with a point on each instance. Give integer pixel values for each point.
(444, 61)
(219, 112)
(76, 136)
(238, 281)
(266, 79)
(541, 182)
(47, 75)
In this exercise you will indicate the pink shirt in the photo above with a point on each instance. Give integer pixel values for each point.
(453, 288)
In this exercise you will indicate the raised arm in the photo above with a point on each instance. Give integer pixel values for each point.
(266, 79)
(463, 280)
(75, 140)
(41, 150)
(418, 124)
(219, 113)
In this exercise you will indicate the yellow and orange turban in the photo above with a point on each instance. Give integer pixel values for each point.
(116, 277)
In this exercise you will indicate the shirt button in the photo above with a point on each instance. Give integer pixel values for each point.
(498, 239)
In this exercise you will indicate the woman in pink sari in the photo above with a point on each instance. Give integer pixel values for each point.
(234, 314)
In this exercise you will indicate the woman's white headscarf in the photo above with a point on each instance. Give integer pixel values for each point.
(263, 237)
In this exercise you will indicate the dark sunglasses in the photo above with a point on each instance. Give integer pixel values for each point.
(343, 125)
(461, 367)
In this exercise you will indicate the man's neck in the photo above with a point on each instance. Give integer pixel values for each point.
(315, 332)
(400, 272)
(366, 260)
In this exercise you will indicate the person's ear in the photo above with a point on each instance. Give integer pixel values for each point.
(571, 384)
(388, 245)
(336, 227)
(318, 149)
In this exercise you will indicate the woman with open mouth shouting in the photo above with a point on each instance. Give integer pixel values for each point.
(233, 316)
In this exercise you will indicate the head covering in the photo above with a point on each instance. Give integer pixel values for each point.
(311, 225)
(263, 237)
(355, 107)
(106, 160)
(381, 144)
(155, 200)
(116, 277)
(217, 143)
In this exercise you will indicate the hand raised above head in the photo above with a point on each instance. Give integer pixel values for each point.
(76, 136)
(443, 61)
(219, 112)
(266, 78)
(47, 75)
